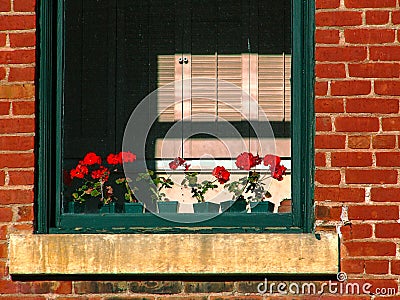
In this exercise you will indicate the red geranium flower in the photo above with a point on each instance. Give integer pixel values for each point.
(91, 158)
(246, 161)
(102, 173)
(279, 172)
(272, 161)
(221, 174)
(79, 172)
(178, 161)
(127, 156)
(114, 159)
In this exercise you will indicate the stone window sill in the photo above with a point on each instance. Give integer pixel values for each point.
(174, 254)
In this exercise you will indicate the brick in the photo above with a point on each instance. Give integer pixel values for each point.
(46, 287)
(320, 159)
(208, 287)
(329, 177)
(387, 230)
(17, 91)
(370, 248)
(22, 39)
(16, 143)
(6, 214)
(351, 159)
(350, 87)
(385, 194)
(248, 297)
(356, 231)
(369, 36)
(23, 160)
(3, 268)
(8, 287)
(338, 18)
(331, 105)
(321, 88)
(372, 105)
(22, 229)
(191, 297)
(21, 177)
(3, 253)
(156, 287)
(25, 213)
(4, 108)
(391, 124)
(352, 266)
(2, 178)
(330, 71)
(377, 267)
(384, 141)
(359, 142)
(327, 4)
(338, 194)
(375, 70)
(391, 88)
(21, 74)
(3, 236)
(25, 125)
(377, 17)
(24, 5)
(369, 3)
(17, 22)
(17, 56)
(354, 176)
(3, 39)
(16, 197)
(328, 213)
(373, 212)
(327, 36)
(357, 124)
(346, 53)
(23, 108)
(100, 287)
(5, 5)
(396, 17)
(385, 53)
(395, 267)
(2, 72)
(388, 159)
(330, 141)
(323, 124)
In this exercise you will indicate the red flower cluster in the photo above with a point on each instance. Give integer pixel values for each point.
(246, 161)
(274, 163)
(90, 159)
(177, 162)
(221, 174)
(102, 173)
(79, 172)
(117, 159)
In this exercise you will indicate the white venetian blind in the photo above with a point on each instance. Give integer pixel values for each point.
(265, 77)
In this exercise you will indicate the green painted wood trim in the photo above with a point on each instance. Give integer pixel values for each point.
(50, 139)
(303, 127)
(44, 120)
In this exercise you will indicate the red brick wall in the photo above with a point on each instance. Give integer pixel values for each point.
(357, 151)
(358, 128)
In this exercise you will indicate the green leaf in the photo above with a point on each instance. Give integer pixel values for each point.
(95, 193)
(75, 195)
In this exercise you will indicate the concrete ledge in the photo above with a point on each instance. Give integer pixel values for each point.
(174, 254)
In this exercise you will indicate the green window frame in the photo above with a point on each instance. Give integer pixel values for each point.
(49, 141)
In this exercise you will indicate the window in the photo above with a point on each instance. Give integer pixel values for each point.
(100, 59)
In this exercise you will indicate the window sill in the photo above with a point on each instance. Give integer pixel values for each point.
(174, 254)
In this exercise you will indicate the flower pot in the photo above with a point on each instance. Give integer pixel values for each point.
(133, 208)
(206, 207)
(168, 207)
(262, 207)
(76, 207)
(233, 206)
(107, 208)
